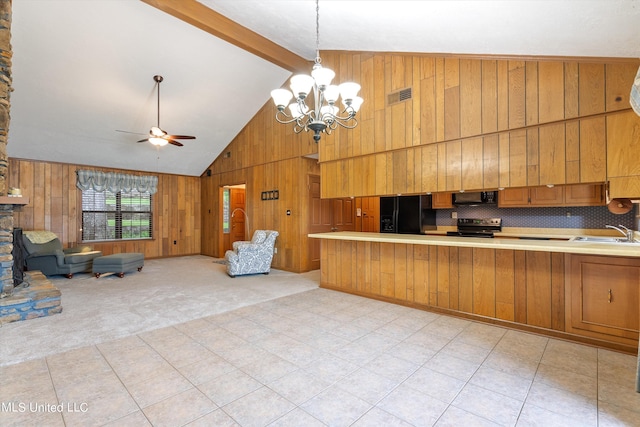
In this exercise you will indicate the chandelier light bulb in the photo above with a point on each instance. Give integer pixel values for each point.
(281, 98)
(356, 102)
(331, 94)
(322, 76)
(348, 91)
(301, 85)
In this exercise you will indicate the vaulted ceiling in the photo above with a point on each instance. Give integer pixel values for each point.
(82, 70)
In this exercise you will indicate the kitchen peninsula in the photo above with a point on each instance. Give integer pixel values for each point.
(581, 291)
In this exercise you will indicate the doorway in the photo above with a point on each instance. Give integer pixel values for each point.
(326, 215)
(235, 220)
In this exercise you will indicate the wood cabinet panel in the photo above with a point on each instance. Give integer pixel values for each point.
(505, 280)
(442, 200)
(550, 84)
(617, 92)
(489, 89)
(559, 195)
(484, 282)
(472, 164)
(470, 97)
(552, 154)
(517, 108)
(451, 98)
(525, 287)
(453, 166)
(603, 297)
(584, 195)
(591, 88)
(538, 275)
(429, 168)
(545, 196)
(623, 144)
(491, 162)
(593, 150)
(518, 158)
(513, 197)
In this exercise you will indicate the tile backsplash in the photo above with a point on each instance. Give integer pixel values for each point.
(567, 217)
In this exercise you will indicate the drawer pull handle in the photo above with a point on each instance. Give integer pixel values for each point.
(609, 298)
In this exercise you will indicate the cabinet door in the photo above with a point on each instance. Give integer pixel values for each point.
(442, 201)
(513, 198)
(584, 195)
(545, 196)
(604, 296)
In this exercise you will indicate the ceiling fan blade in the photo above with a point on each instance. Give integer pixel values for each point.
(180, 137)
(143, 140)
(132, 133)
(174, 142)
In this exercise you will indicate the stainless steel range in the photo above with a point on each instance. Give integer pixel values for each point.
(477, 227)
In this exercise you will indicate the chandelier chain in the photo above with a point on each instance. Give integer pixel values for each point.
(318, 60)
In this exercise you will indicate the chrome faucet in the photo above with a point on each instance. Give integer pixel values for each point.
(627, 233)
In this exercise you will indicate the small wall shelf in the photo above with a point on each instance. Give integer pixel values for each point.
(17, 201)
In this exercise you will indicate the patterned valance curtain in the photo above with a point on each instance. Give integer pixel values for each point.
(115, 182)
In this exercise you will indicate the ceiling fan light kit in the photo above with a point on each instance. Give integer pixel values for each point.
(157, 136)
(325, 115)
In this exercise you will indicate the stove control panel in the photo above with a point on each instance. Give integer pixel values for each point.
(480, 222)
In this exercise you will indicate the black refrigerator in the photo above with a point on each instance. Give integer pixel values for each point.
(407, 214)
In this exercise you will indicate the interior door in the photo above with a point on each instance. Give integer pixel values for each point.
(319, 219)
(238, 225)
(370, 214)
(343, 214)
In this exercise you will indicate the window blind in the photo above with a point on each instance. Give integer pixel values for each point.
(108, 215)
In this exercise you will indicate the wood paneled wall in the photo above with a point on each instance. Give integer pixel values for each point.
(289, 177)
(55, 205)
(470, 124)
(473, 124)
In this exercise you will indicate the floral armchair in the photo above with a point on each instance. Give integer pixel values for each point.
(252, 257)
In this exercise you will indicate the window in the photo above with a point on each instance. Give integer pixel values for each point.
(226, 228)
(114, 216)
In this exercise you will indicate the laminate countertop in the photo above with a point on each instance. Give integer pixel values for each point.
(524, 244)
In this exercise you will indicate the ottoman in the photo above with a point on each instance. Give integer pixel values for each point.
(118, 263)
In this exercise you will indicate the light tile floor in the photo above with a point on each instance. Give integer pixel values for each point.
(325, 358)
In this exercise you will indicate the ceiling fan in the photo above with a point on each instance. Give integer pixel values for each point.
(157, 136)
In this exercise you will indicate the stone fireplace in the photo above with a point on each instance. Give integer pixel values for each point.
(40, 297)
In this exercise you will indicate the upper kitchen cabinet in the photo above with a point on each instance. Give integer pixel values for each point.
(623, 146)
(442, 124)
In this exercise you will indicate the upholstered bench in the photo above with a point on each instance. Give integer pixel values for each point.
(118, 263)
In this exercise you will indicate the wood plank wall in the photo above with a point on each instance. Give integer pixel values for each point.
(289, 177)
(473, 123)
(55, 205)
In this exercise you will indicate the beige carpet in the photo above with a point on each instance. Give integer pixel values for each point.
(166, 292)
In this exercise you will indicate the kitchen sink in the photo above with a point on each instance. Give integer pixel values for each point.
(590, 239)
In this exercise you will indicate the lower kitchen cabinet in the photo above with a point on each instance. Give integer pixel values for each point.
(603, 297)
(587, 298)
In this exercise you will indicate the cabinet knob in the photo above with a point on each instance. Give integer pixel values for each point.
(609, 296)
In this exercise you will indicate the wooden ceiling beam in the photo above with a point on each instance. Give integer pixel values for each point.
(199, 15)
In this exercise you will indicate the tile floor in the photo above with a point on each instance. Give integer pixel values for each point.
(324, 358)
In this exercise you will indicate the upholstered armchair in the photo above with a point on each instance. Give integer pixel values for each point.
(252, 257)
(44, 252)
